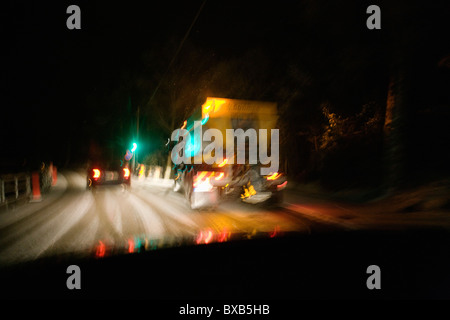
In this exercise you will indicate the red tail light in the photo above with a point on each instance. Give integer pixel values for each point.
(205, 237)
(126, 173)
(96, 175)
(202, 181)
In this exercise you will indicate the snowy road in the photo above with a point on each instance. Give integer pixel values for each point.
(73, 220)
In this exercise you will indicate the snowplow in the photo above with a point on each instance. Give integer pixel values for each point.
(222, 150)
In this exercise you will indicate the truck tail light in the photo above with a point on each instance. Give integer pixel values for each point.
(202, 181)
(274, 176)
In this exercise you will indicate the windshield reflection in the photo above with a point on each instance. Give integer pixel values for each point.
(139, 244)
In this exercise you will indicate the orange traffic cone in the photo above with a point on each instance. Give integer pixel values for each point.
(54, 176)
(36, 196)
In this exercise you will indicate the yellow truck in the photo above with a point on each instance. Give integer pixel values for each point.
(223, 149)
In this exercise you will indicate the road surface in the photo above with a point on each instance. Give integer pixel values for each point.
(74, 220)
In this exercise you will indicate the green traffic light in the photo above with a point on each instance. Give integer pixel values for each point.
(134, 147)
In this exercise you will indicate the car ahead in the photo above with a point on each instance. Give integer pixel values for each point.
(108, 175)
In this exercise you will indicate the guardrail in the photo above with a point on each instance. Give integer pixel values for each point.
(26, 186)
(14, 187)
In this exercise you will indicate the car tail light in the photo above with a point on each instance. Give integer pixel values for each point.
(126, 173)
(202, 181)
(96, 175)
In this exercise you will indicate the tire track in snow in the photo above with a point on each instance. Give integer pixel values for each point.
(31, 245)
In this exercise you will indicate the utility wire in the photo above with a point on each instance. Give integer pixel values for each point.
(178, 50)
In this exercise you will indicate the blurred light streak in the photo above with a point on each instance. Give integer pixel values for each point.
(218, 103)
(212, 105)
(205, 236)
(274, 176)
(206, 108)
(128, 155)
(275, 232)
(209, 237)
(248, 192)
(201, 175)
(137, 244)
(101, 249)
(224, 162)
(130, 246)
(281, 186)
(252, 234)
(205, 119)
(199, 237)
(224, 235)
(153, 244)
(141, 171)
(201, 185)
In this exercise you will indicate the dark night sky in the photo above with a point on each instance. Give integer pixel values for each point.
(60, 83)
